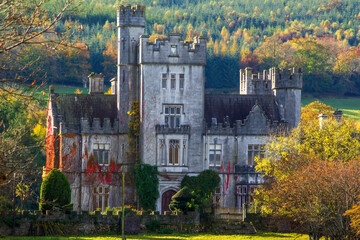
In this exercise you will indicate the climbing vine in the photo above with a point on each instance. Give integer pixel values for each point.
(146, 179)
(133, 154)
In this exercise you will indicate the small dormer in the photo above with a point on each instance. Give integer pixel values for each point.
(96, 83)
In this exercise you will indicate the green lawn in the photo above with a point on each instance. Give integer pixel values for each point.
(264, 236)
(349, 106)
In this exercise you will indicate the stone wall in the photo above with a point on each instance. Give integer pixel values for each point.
(72, 223)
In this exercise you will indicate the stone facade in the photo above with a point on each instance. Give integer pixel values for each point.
(182, 129)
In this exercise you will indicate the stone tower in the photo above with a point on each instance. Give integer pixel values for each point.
(131, 24)
(286, 86)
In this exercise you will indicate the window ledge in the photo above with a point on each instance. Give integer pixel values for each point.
(173, 168)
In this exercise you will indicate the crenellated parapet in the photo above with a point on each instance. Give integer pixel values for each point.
(163, 129)
(286, 78)
(254, 83)
(96, 126)
(268, 80)
(256, 123)
(173, 50)
(131, 15)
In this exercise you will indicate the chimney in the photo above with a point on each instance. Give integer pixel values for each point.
(113, 85)
(96, 83)
(338, 115)
(322, 119)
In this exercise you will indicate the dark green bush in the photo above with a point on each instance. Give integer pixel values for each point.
(153, 225)
(147, 185)
(183, 201)
(55, 192)
(166, 231)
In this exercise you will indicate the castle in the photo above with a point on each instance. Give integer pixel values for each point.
(183, 131)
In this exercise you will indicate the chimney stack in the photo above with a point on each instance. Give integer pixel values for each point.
(96, 83)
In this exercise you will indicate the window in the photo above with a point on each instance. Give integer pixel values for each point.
(174, 146)
(162, 151)
(184, 153)
(173, 50)
(173, 81)
(123, 159)
(255, 151)
(172, 116)
(242, 195)
(101, 154)
(164, 80)
(215, 154)
(101, 198)
(181, 81)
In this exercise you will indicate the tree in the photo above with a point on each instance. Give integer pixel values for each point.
(55, 192)
(147, 184)
(183, 201)
(24, 23)
(202, 187)
(311, 174)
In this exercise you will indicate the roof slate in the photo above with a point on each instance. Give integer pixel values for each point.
(73, 107)
(238, 107)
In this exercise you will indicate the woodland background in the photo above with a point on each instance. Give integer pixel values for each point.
(320, 36)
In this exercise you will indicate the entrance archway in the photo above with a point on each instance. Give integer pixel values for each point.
(165, 200)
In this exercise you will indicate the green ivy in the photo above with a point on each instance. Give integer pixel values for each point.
(147, 184)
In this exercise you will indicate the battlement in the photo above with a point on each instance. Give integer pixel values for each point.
(254, 83)
(97, 126)
(173, 50)
(274, 78)
(131, 15)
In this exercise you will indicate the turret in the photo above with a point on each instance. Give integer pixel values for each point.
(286, 86)
(131, 24)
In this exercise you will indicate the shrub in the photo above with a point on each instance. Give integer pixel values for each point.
(147, 185)
(183, 201)
(55, 192)
(153, 225)
(166, 231)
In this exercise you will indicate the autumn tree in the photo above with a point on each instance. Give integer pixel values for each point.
(311, 174)
(25, 24)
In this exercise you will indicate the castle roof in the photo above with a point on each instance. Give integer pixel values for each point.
(73, 107)
(238, 107)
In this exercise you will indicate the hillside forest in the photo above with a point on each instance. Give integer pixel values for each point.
(322, 37)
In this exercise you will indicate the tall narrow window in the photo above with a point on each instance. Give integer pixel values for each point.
(101, 198)
(162, 152)
(174, 146)
(101, 154)
(255, 151)
(123, 75)
(123, 43)
(184, 153)
(173, 81)
(172, 116)
(164, 80)
(181, 81)
(215, 154)
(123, 153)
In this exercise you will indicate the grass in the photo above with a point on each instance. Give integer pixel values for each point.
(262, 236)
(349, 106)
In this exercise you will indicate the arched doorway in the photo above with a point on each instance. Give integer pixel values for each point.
(165, 200)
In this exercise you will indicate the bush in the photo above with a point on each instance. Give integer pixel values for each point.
(55, 192)
(147, 185)
(166, 231)
(183, 201)
(153, 225)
